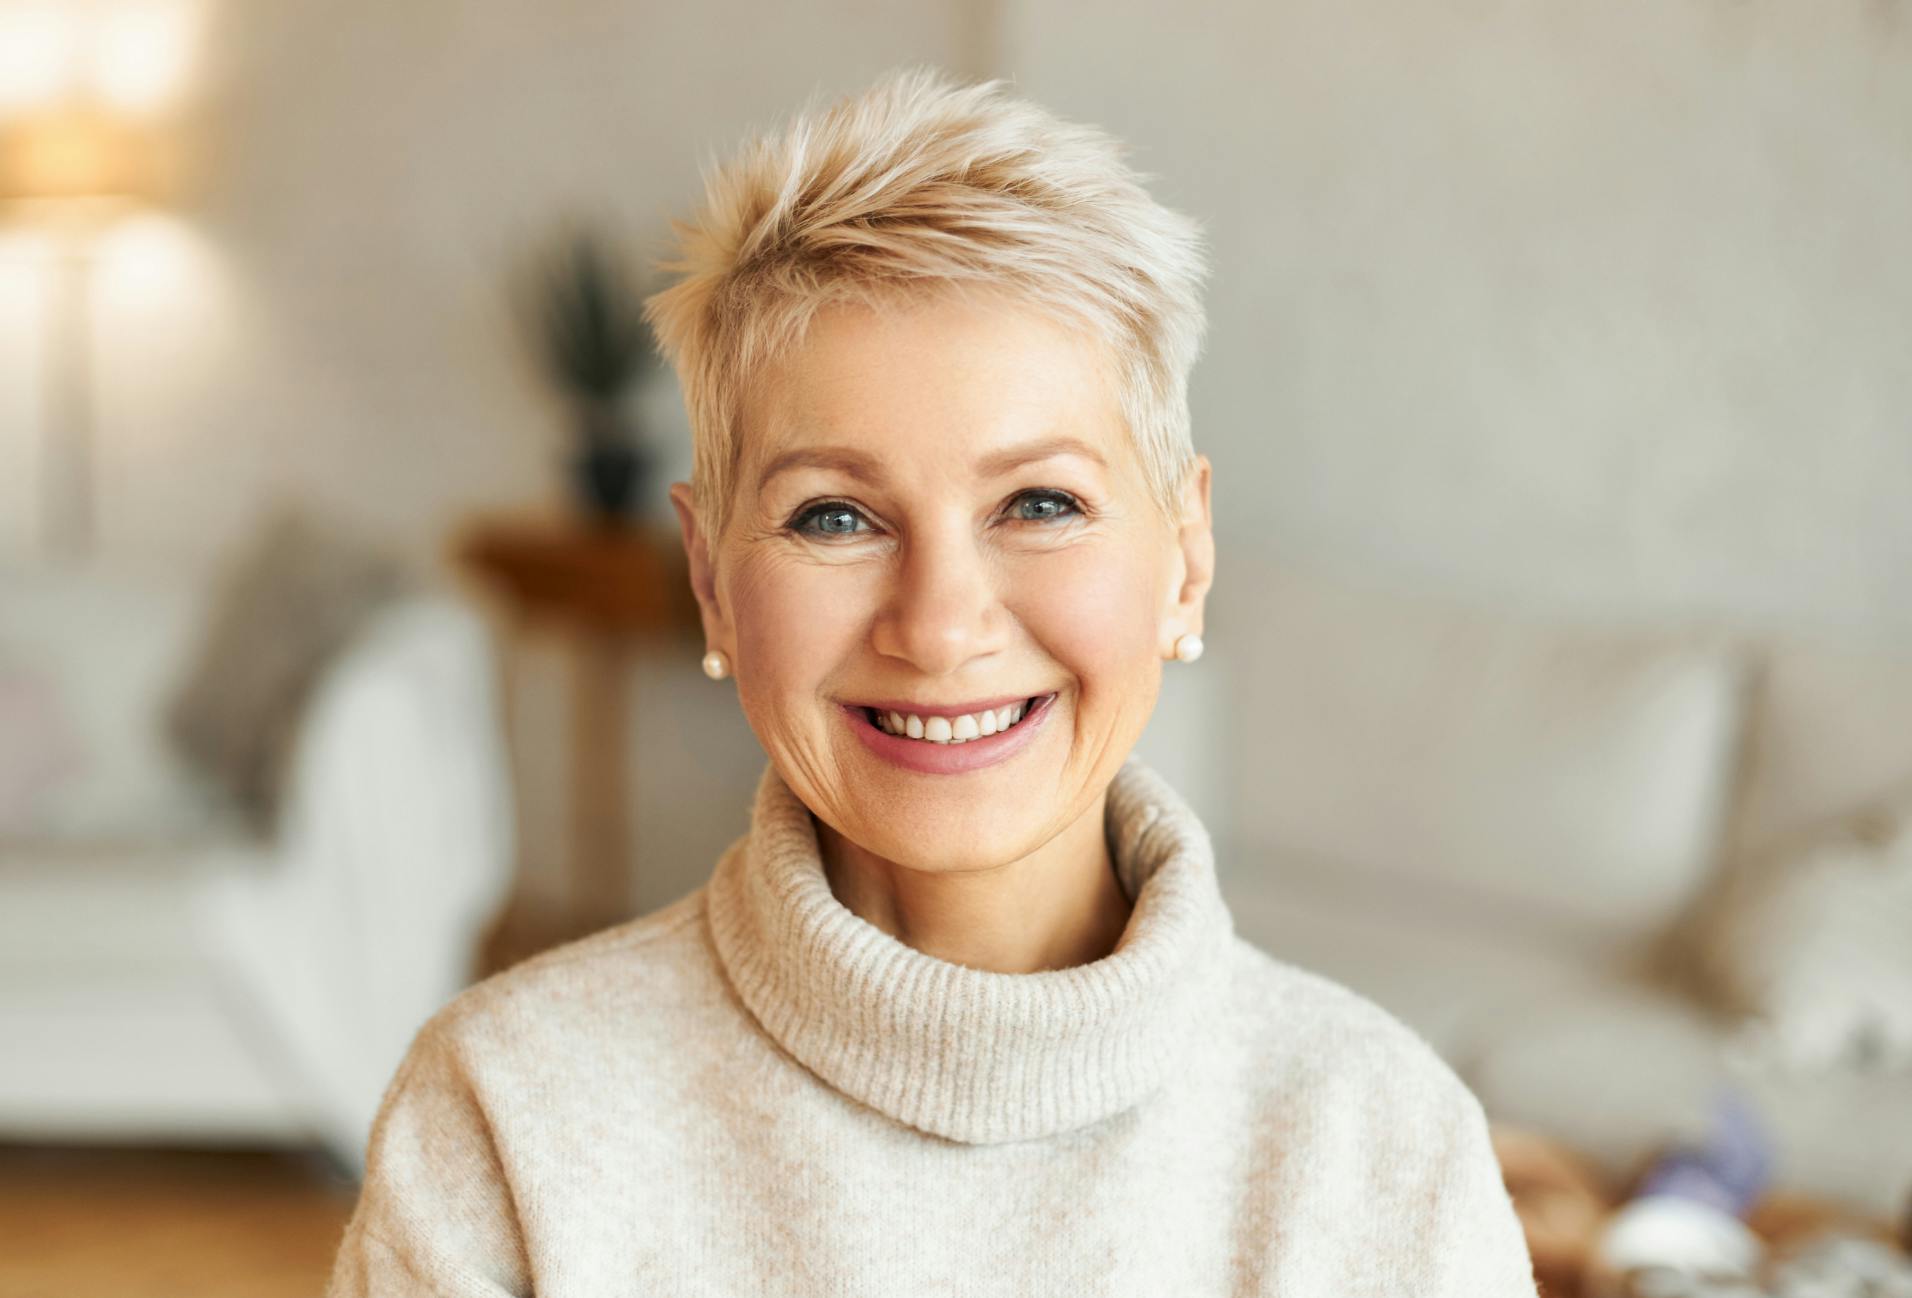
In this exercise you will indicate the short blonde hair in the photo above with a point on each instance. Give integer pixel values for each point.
(917, 182)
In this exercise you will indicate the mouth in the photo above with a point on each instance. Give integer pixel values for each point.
(950, 740)
(950, 727)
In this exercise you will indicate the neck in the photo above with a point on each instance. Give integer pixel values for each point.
(1056, 908)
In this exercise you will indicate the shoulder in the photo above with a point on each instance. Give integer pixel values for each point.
(612, 1009)
(1305, 1034)
(640, 976)
(1364, 1131)
(655, 942)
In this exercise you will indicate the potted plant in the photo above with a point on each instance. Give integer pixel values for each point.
(586, 320)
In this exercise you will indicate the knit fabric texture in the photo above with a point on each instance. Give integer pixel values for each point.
(755, 1091)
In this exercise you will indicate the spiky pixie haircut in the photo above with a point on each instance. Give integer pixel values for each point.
(916, 184)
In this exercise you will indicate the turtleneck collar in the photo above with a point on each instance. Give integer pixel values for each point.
(970, 1054)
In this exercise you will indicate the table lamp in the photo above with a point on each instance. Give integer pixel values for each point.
(71, 167)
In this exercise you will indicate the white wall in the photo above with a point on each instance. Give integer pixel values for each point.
(331, 318)
(1583, 304)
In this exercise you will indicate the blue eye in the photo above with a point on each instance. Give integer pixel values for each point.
(832, 519)
(1043, 506)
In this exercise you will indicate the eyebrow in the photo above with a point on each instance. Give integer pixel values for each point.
(867, 468)
(1000, 462)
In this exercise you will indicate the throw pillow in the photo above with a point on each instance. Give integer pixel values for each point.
(1814, 948)
(38, 749)
(293, 598)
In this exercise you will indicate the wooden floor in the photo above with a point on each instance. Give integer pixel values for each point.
(75, 1223)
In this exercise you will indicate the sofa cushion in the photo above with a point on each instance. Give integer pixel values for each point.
(86, 659)
(1619, 1072)
(1453, 971)
(1828, 746)
(72, 912)
(119, 1024)
(288, 601)
(39, 744)
(1815, 943)
(1829, 732)
(1563, 778)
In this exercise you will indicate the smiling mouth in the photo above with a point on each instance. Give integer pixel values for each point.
(959, 729)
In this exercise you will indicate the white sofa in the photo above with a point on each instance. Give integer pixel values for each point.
(1499, 827)
(164, 975)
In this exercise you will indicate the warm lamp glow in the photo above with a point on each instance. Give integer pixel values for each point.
(140, 53)
(86, 87)
(39, 54)
(83, 88)
(128, 56)
(77, 155)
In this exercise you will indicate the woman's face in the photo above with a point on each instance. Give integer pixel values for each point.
(938, 518)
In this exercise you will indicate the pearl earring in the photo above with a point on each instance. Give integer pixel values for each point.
(716, 665)
(1188, 647)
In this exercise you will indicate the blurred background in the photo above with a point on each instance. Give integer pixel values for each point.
(1559, 692)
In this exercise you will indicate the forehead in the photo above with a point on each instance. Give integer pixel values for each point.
(942, 383)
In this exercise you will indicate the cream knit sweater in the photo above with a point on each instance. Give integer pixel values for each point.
(753, 1091)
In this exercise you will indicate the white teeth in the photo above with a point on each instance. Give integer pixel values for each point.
(951, 730)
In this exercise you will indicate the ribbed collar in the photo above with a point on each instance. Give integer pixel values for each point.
(969, 1054)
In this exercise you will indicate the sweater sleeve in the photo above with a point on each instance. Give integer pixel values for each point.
(435, 1216)
(1470, 1231)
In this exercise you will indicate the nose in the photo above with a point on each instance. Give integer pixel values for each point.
(944, 607)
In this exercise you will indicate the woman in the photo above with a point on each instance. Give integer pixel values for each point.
(964, 1011)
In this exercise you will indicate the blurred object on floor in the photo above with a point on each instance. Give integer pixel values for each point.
(162, 1223)
(1560, 1201)
(1686, 1219)
(168, 974)
(1788, 1220)
(603, 589)
(1838, 1265)
(1564, 1204)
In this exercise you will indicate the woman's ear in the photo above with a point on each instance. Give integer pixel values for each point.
(1195, 546)
(703, 573)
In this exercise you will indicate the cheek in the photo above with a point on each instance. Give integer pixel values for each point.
(793, 623)
(1094, 609)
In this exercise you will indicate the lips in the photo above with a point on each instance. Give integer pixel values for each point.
(939, 740)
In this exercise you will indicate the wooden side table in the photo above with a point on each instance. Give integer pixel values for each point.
(606, 589)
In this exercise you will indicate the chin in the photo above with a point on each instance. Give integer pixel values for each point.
(973, 838)
(975, 821)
